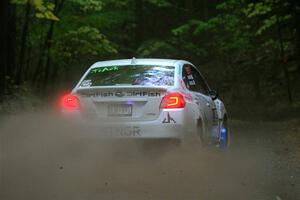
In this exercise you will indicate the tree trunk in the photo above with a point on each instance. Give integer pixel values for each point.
(189, 7)
(297, 24)
(36, 75)
(283, 64)
(4, 6)
(45, 57)
(139, 15)
(12, 43)
(58, 6)
(7, 40)
(256, 83)
(298, 44)
(27, 63)
(19, 73)
(48, 52)
(205, 8)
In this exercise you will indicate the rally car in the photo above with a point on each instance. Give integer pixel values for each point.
(148, 99)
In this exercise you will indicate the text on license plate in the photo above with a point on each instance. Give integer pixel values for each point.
(120, 110)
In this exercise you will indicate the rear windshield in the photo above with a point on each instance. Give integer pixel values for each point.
(145, 75)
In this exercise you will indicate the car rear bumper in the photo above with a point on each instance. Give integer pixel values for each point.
(171, 124)
(136, 130)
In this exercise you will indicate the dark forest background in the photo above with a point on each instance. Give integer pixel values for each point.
(248, 50)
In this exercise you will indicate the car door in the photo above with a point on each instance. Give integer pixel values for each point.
(200, 91)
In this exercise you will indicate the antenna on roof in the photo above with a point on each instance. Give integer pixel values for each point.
(133, 61)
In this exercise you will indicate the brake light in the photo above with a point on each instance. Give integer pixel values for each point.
(70, 102)
(172, 100)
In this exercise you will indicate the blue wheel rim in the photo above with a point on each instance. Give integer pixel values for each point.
(223, 137)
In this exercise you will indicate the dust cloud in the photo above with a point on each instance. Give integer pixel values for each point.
(43, 157)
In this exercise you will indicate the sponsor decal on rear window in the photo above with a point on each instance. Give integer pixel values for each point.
(86, 83)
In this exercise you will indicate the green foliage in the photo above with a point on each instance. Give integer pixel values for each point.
(241, 23)
(257, 9)
(116, 3)
(271, 12)
(43, 10)
(160, 3)
(84, 42)
(155, 48)
(46, 11)
(197, 26)
(237, 44)
(244, 38)
(89, 5)
(235, 35)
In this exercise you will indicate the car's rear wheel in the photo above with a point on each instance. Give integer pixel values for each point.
(222, 141)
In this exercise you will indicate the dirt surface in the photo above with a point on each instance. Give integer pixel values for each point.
(43, 158)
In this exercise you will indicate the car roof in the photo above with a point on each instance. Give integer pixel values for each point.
(134, 61)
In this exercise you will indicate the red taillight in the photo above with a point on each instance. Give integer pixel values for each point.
(172, 100)
(69, 102)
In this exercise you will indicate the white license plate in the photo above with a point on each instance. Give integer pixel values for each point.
(120, 110)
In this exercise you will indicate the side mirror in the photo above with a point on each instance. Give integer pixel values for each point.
(213, 94)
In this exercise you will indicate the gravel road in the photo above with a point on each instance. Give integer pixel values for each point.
(44, 159)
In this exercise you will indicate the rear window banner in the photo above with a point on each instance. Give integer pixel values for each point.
(144, 75)
(104, 69)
